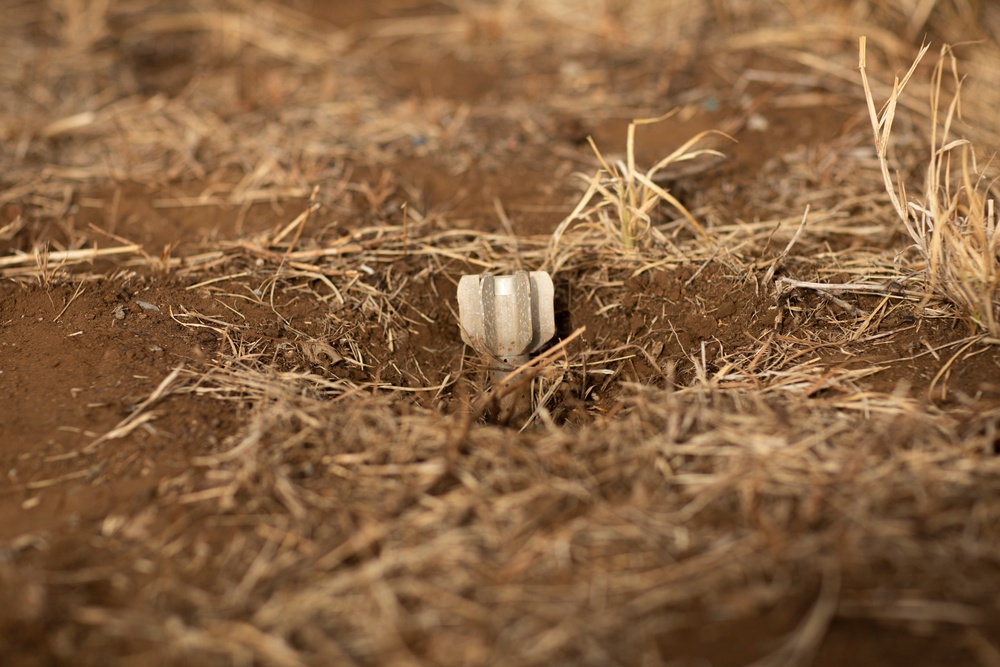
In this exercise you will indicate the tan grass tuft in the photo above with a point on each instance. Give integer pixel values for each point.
(953, 224)
(621, 199)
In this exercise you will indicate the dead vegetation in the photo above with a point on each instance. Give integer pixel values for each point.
(760, 408)
(954, 224)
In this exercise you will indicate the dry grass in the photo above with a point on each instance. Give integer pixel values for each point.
(953, 225)
(364, 508)
(430, 539)
(627, 197)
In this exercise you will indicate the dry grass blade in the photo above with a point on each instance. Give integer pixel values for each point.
(882, 127)
(139, 416)
(63, 257)
(801, 647)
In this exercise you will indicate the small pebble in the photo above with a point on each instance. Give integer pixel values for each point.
(757, 123)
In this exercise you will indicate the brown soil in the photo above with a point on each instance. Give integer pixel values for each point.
(201, 434)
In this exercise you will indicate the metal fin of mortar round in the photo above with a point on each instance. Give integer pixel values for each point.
(507, 317)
